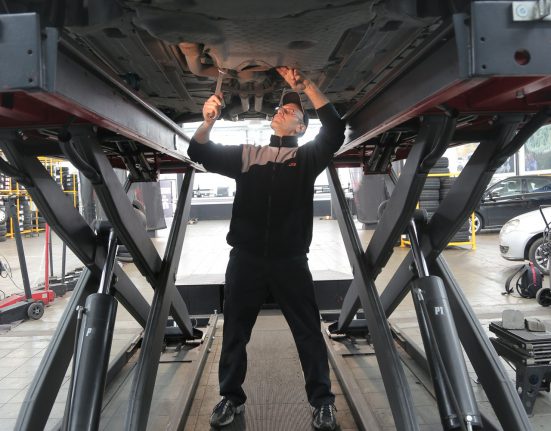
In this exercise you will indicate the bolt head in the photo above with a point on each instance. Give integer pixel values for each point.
(521, 11)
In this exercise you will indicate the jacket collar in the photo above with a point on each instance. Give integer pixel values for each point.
(283, 141)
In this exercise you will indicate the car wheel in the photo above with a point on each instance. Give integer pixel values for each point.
(539, 254)
(478, 224)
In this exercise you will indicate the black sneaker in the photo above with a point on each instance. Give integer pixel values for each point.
(224, 413)
(324, 418)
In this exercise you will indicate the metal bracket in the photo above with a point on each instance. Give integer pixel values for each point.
(532, 10)
(507, 47)
(24, 45)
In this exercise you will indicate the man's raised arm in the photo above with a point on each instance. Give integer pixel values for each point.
(220, 159)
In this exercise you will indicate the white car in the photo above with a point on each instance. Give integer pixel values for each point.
(521, 238)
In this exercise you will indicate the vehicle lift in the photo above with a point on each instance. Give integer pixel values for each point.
(50, 84)
(26, 305)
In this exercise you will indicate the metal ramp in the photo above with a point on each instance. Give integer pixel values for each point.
(186, 388)
(177, 384)
(274, 384)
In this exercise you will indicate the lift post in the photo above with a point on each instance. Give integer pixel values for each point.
(454, 393)
(91, 357)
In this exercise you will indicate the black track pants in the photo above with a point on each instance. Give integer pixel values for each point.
(249, 278)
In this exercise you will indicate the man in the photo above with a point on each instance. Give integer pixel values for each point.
(270, 232)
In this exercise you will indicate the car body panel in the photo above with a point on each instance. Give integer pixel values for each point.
(514, 243)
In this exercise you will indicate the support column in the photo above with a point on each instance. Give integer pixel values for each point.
(434, 137)
(492, 375)
(143, 384)
(121, 214)
(394, 378)
(456, 207)
(44, 388)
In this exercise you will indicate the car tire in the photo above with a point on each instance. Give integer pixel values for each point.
(443, 193)
(447, 182)
(381, 209)
(478, 223)
(430, 206)
(460, 237)
(539, 254)
(464, 228)
(429, 195)
(442, 162)
(432, 184)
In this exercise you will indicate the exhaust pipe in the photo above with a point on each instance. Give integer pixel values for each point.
(192, 53)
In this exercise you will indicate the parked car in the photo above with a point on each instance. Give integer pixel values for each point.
(511, 197)
(521, 238)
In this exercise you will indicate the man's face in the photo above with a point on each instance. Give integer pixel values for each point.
(288, 120)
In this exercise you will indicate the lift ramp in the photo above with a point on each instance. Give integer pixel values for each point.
(186, 388)
(274, 385)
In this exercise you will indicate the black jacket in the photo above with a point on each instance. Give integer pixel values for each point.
(273, 206)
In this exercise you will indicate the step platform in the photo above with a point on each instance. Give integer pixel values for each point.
(530, 354)
(204, 293)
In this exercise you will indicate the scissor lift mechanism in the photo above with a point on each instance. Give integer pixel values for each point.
(49, 85)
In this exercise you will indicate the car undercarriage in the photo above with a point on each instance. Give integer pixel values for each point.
(383, 64)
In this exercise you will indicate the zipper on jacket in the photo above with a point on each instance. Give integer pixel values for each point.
(268, 214)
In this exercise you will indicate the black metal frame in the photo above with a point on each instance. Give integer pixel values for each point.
(96, 321)
(454, 393)
(466, 62)
(59, 74)
(433, 139)
(451, 214)
(434, 136)
(141, 392)
(83, 241)
(63, 77)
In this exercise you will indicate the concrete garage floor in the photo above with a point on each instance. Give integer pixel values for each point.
(481, 274)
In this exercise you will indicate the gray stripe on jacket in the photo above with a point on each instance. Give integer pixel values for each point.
(261, 155)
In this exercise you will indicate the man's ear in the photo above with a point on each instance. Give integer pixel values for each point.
(301, 128)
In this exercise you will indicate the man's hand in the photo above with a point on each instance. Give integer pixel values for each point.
(296, 80)
(212, 109)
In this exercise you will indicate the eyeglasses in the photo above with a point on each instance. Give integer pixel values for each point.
(287, 111)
